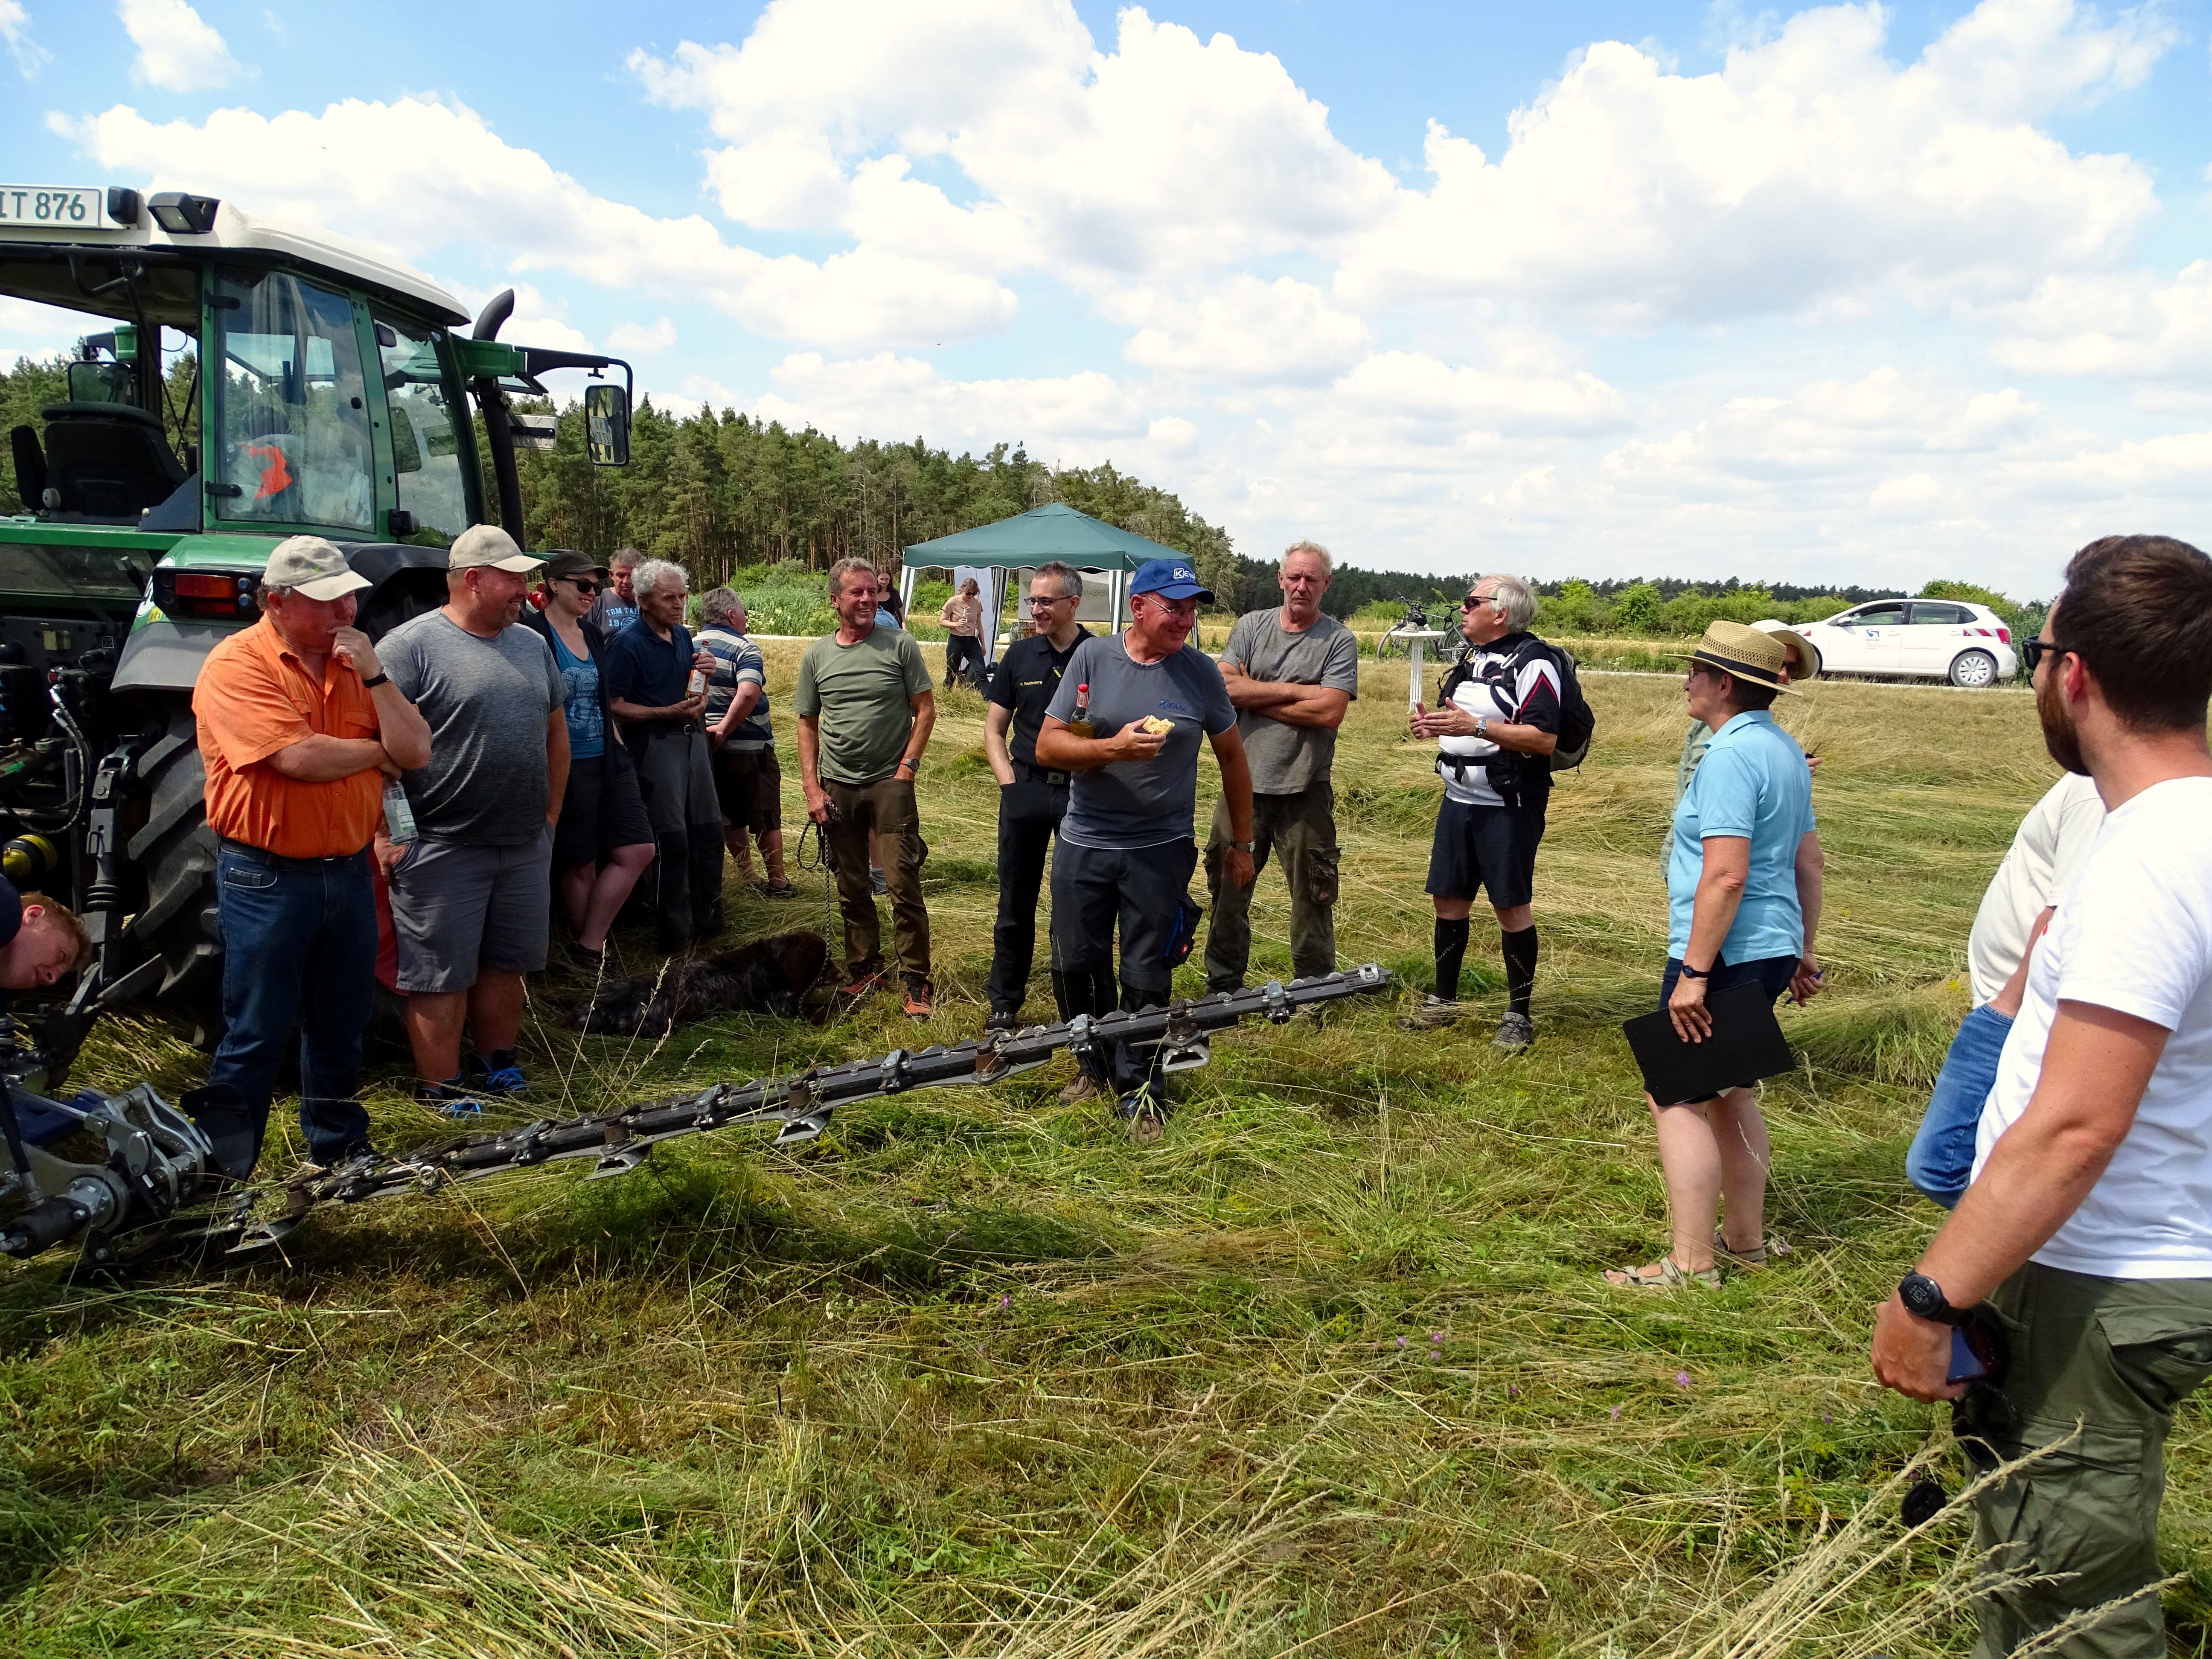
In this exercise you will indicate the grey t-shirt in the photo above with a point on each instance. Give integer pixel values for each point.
(1139, 803)
(487, 702)
(1285, 758)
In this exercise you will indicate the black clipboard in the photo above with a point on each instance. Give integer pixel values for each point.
(1745, 1044)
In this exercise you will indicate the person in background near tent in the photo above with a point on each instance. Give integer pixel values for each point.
(1292, 673)
(747, 780)
(614, 609)
(651, 665)
(604, 841)
(299, 726)
(1126, 851)
(2047, 852)
(866, 709)
(2087, 1229)
(962, 616)
(1032, 798)
(1743, 897)
(1496, 731)
(468, 894)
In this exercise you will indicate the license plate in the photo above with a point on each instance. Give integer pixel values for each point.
(55, 208)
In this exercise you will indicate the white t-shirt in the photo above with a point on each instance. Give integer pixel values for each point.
(2046, 855)
(1488, 693)
(2133, 934)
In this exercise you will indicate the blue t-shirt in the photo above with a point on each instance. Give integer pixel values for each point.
(1752, 783)
(588, 725)
(646, 670)
(1133, 804)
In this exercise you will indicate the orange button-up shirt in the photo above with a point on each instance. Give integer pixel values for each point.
(255, 697)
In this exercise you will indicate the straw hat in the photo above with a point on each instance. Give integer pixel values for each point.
(1790, 636)
(1755, 657)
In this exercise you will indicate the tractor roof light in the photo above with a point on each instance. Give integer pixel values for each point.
(182, 214)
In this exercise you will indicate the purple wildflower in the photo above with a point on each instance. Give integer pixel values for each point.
(1681, 1379)
(1401, 1341)
(1616, 1413)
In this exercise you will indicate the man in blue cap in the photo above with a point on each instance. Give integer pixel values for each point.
(1126, 721)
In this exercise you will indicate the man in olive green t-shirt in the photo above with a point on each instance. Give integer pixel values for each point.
(865, 708)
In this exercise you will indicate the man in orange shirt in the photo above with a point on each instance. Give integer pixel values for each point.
(299, 725)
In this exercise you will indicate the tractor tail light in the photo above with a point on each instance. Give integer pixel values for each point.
(205, 595)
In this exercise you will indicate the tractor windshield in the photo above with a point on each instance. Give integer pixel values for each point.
(426, 443)
(291, 443)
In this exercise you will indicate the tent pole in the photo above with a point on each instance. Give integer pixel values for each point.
(905, 590)
(998, 617)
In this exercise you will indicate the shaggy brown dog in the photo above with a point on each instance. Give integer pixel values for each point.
(766, 976)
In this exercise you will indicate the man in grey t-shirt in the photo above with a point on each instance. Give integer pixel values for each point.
(1291, 672)
(1126, 721)
(469, 893)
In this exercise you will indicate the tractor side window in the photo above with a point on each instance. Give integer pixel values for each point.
(291, 412)
(426, 445)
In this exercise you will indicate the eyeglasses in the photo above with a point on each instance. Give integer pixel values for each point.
(1474, 599)
(2035, 650)
(1036, 604)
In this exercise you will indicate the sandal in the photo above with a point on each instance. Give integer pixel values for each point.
(1774, 1246)
(1669, 1278)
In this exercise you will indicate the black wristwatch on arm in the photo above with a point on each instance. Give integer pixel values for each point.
(1923, 1299)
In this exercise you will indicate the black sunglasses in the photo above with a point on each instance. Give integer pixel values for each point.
(1474, 599)
(583, 585)
(2035, 650)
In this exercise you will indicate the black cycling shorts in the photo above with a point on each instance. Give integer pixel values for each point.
(1486, 849)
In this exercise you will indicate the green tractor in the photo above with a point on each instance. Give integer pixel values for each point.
(237, 381)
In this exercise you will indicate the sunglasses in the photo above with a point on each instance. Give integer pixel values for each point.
(583, 585)
(1474, 599)
(2033, 651)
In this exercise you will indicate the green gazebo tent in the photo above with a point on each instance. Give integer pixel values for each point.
(1028, 539)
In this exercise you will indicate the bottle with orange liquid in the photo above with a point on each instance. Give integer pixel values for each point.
(1080, 725)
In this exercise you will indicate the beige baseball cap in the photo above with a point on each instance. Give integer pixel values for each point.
(487, 543)
(313, 568)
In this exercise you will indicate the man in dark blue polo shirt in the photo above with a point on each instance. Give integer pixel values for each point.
(1031, 798)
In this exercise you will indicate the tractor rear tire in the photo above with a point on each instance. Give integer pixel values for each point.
(175, 850)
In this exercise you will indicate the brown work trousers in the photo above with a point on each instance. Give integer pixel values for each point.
(887, 808)
(1302, 829)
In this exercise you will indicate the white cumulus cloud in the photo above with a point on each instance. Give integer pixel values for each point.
(2129, 327)
(178, 49)
(16, 30)
(637, 340)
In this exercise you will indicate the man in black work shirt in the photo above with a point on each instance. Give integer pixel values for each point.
(1030, 798)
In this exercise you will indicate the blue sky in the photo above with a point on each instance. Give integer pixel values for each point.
(1843, 294)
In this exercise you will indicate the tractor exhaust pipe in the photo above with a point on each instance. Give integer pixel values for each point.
(499, 420)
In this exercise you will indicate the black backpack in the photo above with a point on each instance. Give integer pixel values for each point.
(1577, 725)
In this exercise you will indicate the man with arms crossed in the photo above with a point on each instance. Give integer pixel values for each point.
(298, 725)
(1126, 849)
(470, 894)
(1032, 798)
(2088, 1224)
(866, 708)
(1291, 673)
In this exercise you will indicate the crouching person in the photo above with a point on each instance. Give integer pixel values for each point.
(650, 667)
(298, 725)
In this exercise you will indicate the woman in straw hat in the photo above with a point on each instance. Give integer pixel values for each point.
(1743, 890)
(1800, 662)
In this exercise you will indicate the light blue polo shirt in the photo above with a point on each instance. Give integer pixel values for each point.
(1753, 783)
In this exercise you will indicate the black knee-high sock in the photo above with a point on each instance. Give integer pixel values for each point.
(1520, 966)
(1451, 947)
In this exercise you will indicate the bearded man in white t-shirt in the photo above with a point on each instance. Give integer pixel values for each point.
(2088, 1223)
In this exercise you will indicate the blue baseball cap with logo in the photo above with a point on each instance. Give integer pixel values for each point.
(1172, 579)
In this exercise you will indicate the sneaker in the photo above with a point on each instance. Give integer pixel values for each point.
(1144, 1118)
(878, 883)
(593, 962)
(770, 891)
(497, 1073)
(861, 985)
(1514, 1033)
(1082, 1089)
(1002, 1019)
(449, 1097)
(1433, 1015)
(917, 1001)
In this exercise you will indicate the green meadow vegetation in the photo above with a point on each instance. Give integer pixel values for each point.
(1330, 1371)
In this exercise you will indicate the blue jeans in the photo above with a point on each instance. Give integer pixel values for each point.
(1943, 1156)
(299, 945)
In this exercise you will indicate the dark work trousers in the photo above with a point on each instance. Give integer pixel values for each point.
(963, 660)
(1302, 829)
(2097, 1367)
(676, 780)
(1028, 813)
(1145, 891)
(299, 945)
(885, 806)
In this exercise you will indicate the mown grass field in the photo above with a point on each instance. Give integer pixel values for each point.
(1331, 1372)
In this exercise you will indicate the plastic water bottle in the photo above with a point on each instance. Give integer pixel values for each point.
(398, 816)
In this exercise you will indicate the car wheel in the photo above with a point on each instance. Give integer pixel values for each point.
(1973, 670)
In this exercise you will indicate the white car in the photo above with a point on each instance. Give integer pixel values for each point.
(1968, 645)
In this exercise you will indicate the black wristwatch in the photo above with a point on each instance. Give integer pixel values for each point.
(1923, 1299)
(370, 685)
(1689, 972)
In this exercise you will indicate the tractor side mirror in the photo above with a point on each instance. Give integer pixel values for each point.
(606, 424)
